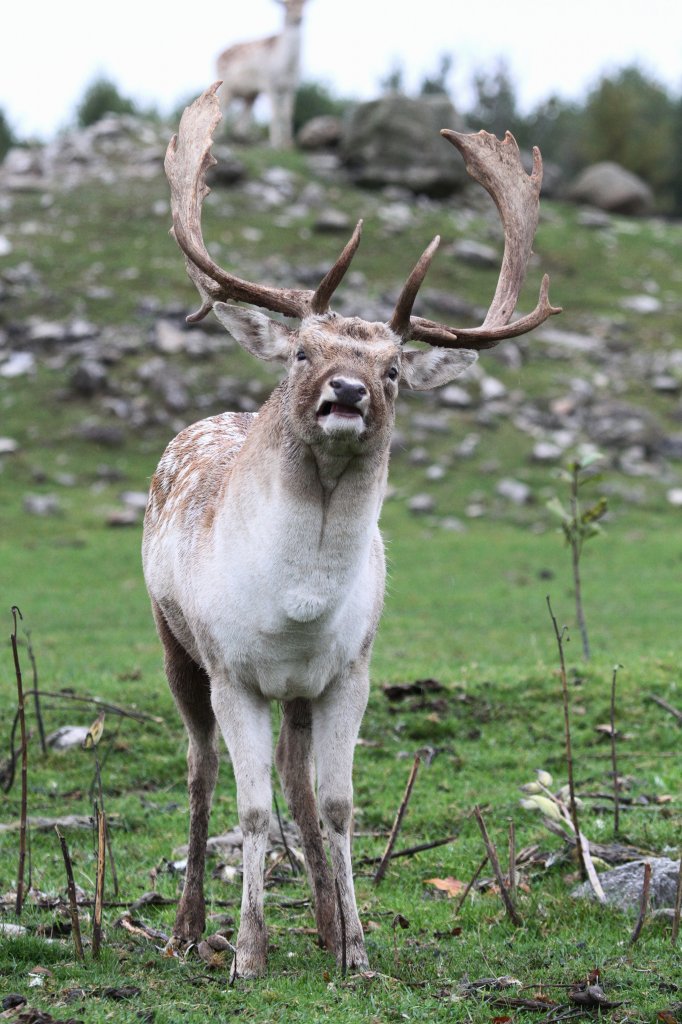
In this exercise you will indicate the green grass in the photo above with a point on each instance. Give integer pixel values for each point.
(468, 609)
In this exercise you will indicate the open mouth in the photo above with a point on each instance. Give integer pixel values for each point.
(338, 409)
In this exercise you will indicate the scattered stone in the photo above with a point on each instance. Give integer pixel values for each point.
(331, 221)
(674, 496)
(454, 397)
(395, 141)
(475, 510)
(546, 451)
(5, 245)
(452, 524)
(421, 504)
(418, 456)
(8, 446)
(492, 389)
(666, 384)
(106, 434)
(42, 505)
(19, 364)
(592, 218)
(642, 304)
(229, 169)
(623, 885)
(136, 500)
(475, 254)
(435, 472)
(323, 132)
(88, 378)
(514, 490)
(123, 517)
(608, 186)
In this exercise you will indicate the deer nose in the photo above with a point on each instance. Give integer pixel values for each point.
(348, 392)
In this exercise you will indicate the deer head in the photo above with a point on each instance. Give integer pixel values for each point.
(493, 163)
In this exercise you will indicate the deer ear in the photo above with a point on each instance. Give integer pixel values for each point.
(264, 338)
(429, 368)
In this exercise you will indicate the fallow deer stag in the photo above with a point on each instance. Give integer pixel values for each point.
(262, 553)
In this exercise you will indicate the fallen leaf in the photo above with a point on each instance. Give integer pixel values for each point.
(95, 731)
(452, 886)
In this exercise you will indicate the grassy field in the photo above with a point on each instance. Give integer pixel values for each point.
(467, 609)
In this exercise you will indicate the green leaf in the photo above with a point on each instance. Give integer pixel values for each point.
(556, 508)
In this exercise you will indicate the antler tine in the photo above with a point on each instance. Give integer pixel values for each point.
(400, 321)
(497, 166)
(332, 279)
(188, 158)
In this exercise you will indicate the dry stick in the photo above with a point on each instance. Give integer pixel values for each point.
(512, 859)
(107, 831)
(36, 694)
(383, 863)
(408, 851)
(99, 885)
(495, 864)
(24, 766)
(559, 634)
(614, 765)
(643, 903)
(71, 890)
(115, 709)
(678, 906)
(289, 854)
(576, 545)
(342, 923)
(666, 707)
(472, 883)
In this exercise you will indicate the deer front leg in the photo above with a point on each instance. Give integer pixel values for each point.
(244, 720)
(336, 722)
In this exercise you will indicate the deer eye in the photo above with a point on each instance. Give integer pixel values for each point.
(301, 356)
(392, 373)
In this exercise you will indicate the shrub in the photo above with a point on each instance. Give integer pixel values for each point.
(100, 98)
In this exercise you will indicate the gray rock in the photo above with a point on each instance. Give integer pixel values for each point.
(475, 254)
(546, 451)
(18, 365)
(42, 505)
(642, 304)
(229, 169)
(421, 504)
(514, 490)
(135, 499)
(674, 496)
(395, 141)
(608, 186)
(8, 446)
(169, 338)
(331, 221)
(623, 885)
(88, 378)
(454, 397)
(322, 132)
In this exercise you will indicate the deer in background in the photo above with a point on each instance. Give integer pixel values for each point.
(262, 552)
(270, 66)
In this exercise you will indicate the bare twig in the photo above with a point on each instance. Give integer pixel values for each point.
(559, 634)
(24, 766)
(409, 851)
(675, 712)
(99, 887)
(383, 863)
(71, 891)
(643, 903)
(614, 764)
(678, 906)
(115, 709)
(512, 859)
(289, 854)
(512, 913)
(107, 830)
(342, 926)
(471, 884)
(35, 691)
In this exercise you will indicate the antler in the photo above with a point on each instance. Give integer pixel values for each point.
(497, 166)
(188, 158)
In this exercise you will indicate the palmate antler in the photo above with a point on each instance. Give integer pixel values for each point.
(495, 165)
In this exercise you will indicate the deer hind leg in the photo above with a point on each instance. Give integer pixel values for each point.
(191, 689)
(294, 759)
(244, 719)
(336, 722)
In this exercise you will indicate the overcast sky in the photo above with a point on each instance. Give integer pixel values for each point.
(159, 53)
